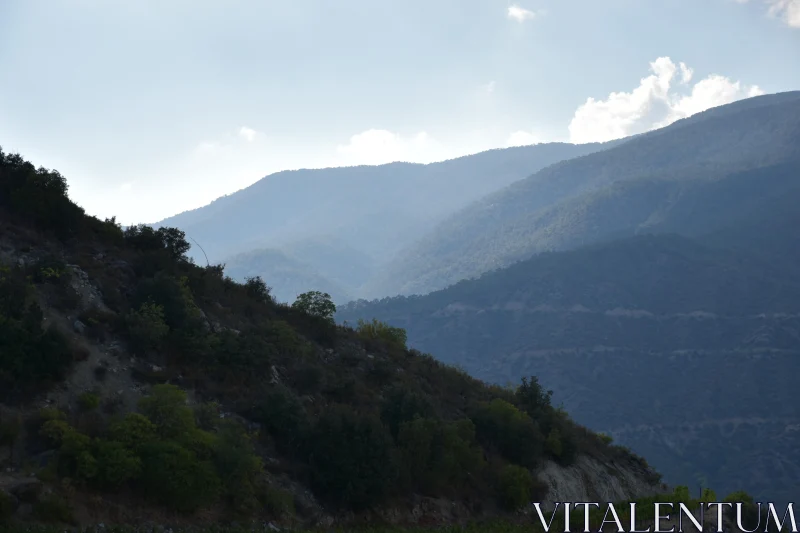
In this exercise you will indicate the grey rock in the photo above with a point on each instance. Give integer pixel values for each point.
(79, 327)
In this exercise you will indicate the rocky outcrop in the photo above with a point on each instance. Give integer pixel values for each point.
(589, 480)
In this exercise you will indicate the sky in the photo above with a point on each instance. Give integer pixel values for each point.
(153, 107)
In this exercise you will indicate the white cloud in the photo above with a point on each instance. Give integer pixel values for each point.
(489, 87)
(788, 10)
(125, 187)
(523, 138)
(655, 103)
(247, 134)
(376, 147)
(520, 14)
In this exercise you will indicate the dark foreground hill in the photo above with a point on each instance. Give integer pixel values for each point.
(137, 387)
(687, 353)
(366, 212)
(686, 178)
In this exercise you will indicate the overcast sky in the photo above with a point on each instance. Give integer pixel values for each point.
(152, 107)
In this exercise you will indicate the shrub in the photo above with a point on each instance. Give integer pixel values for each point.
(553, 443)
(167, 409)
(88, 401)
(350, 457)
(206, 416)
(708, 496)
(277, 502)
(146, 326)
(116, 464)
(515, 485)
(134, 431)
(436, 455)
(237, 465)
(401, 405)
(377, 330)
(282, 415)
(173, 475)
(54, 509)
(510, 430)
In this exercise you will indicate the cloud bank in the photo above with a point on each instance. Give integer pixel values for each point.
(659, 100)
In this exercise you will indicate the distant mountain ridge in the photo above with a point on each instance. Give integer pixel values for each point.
(556, 208)
(371, 210)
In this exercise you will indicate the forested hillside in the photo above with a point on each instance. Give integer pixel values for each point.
(684, 352)
(690, 177)
(137, 387)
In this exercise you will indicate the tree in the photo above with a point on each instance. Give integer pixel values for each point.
(316, 303)
(166, 407)
(257, 289)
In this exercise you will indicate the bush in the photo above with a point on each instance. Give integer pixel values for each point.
(54, 509)
(277, 502)
(401, 405)
(377, 330)
(88, 401)
(134, 431)
(350, 457)
(166, 407)
(173, 475)
(511, 431)
(30, 357)
(282, 416)
(116, 464)
(146, 326)
(515, 486)
(238, 466)
(436, 455)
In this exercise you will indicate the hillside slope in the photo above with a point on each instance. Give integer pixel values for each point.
(684, 352)
(622, 191)
(373, 210)
(137, 387)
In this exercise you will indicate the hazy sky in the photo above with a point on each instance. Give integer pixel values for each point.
(152, 107)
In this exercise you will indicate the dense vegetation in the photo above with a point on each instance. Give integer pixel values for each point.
(669, 180)
(352, 413)
(631, 336)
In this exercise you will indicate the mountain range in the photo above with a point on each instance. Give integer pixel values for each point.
(653, 286)
(346, 224)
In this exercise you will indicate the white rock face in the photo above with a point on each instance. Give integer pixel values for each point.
(589, 480)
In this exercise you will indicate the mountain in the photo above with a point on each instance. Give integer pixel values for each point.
(139, 388)
(710, 161)
(682, 351)
(372, 210)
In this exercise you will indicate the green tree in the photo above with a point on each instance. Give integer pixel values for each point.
(350, 457)
(511, 431)
(174, 476)
(515, 485)
(166, 407)
(317, 304)
(146, 326)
